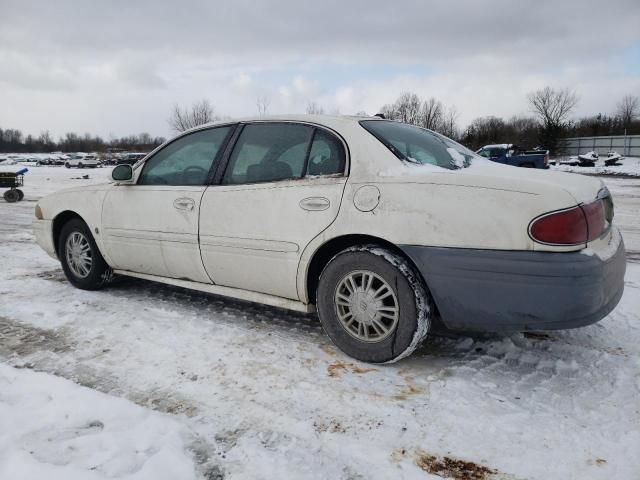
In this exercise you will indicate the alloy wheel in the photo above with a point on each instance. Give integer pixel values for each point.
(366, 306)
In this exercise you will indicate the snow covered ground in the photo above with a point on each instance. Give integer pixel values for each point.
(629, 166)
(147, 381)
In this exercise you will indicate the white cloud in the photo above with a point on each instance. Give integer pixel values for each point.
(120, 66)
(243, 81)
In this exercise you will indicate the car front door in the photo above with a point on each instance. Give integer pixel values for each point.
(282, 186)
(152, 226)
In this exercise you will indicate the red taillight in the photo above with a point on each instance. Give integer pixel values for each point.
(594, 213)
(577, 225)
(568, 227)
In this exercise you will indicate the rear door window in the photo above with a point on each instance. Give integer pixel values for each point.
(270, 152)
(326, 156)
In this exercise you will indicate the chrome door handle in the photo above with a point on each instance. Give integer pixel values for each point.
(315, 203)
(184, 203)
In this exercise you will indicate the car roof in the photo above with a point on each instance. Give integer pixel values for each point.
(499, 145)
(331, 121)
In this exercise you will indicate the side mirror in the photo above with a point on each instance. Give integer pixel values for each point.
(122, 173)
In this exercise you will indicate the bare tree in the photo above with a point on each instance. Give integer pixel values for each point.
(389, 111)
(263, 102)
(145, 139)
(552, 106)
(183, 118)
(45, 138)
(449, 124)
(628, 109)
(408, 108)
(431, 114)
(314, 109)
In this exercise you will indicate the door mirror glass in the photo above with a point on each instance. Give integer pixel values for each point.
(122, 173)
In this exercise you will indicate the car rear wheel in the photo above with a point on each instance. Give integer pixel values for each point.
(81, 260)
(67, 165)
(373, 305)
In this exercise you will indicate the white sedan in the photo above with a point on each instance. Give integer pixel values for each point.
(382, 227)
(79, 161)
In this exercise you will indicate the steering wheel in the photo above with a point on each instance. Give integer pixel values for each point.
(192, 171)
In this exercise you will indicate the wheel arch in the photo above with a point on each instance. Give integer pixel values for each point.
(325, 252)
(58, 222)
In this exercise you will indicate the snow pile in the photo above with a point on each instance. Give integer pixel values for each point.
(52, 428)
(457, 157)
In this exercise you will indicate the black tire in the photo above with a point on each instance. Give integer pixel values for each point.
(80, 165)
(20, 194)
(11, 196)
(67, 165)
(99, 274)
(414, 303)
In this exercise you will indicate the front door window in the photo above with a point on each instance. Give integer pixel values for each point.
(187, 160)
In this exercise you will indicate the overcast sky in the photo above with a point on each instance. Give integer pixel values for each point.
(117, 67)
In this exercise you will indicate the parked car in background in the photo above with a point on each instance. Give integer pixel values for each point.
(50, 159)
(381, 227)
(45, 160)
(82, 161)
(28, 158)
(510, 154)
(53, 158)
(130, 158)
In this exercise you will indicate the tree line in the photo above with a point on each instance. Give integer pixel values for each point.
(548, 122)
(13, 141)
(546, 125)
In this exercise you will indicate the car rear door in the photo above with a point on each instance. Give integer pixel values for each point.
(152, 226)
(282, 186)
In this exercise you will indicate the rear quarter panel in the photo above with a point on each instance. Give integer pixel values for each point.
(441, 215)
(446, 215)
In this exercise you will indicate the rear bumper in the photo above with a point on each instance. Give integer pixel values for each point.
(488, 290)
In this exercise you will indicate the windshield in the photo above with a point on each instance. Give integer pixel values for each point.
(419, 145)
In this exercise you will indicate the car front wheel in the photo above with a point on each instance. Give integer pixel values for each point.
(373, 305)
(81, 260)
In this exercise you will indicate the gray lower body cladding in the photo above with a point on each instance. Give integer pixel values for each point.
(497, 290)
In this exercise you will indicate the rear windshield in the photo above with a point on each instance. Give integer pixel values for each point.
(418, 145)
